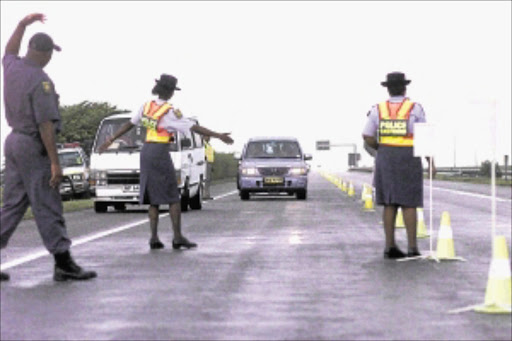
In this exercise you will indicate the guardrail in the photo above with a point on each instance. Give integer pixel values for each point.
(454, 171)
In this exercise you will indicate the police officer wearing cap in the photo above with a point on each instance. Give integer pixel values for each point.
(158, 185)
(398, 174)
(32, 169)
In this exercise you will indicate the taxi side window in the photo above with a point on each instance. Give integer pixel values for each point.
(186, 141)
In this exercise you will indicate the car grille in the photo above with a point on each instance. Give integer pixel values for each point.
(268, 171)
(123, 178)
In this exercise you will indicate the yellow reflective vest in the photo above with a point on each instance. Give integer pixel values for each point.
(393, 124)
(209, 152)
(151, 116)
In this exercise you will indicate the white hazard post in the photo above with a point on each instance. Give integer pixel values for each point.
(493, 174)
(424, 137)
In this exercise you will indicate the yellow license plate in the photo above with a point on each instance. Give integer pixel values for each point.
(273, 180)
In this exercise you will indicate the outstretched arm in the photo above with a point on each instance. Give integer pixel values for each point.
(14, 43)
(224, 137)
(120, 132)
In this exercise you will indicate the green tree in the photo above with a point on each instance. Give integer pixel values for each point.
(485, 169)
(224, 166)
(80, 121)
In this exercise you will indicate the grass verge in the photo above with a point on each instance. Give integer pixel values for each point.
(471, 180)
(67, 206)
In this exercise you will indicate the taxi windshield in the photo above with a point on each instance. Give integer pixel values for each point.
(70, 159)
(131, 141)
(273, 149)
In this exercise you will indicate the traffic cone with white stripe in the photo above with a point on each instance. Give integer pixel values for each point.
(445, 247)
(351, 192)
(399, 221)
(498, 297)
(368, 202)
(421, 230)
(363, 192)
(339, 183)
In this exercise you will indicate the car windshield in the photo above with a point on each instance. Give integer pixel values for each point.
(130, 141)
(273, 149)
(70, 159)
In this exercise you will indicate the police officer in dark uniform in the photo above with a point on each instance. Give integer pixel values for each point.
(32, 169)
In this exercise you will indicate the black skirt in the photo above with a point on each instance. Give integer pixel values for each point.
(398, 177)
(158, 185)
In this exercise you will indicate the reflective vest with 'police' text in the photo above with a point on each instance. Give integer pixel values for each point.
(393, 127)
(150, 117)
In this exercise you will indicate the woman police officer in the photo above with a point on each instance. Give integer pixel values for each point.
(158, 185)
(398, 175)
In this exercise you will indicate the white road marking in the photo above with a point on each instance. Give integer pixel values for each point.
(41, 252)
(475, 195)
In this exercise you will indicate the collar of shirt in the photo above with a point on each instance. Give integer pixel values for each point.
(396, 99)
(30, 62)
(160, 101)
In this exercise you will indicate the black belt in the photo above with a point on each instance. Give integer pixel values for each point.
(34, 134)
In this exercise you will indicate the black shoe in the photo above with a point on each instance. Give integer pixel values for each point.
(66, 268)
(4, 276)
(183, 243)
(413, 253)
(155, 245)
(394, 253)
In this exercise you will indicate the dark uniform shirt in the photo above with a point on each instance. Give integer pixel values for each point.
(29, 96)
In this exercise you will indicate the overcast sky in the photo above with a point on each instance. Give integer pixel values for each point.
(305, 69)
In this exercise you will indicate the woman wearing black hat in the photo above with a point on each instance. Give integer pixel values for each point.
(398, 176)
(158, 185)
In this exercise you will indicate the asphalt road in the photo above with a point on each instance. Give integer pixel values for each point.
(268, 268)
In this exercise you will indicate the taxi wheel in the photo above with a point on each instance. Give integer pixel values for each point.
(196, 202)
(100, 207)
(244, 195)
(302, 194)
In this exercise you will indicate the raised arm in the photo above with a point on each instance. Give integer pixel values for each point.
(14, 43)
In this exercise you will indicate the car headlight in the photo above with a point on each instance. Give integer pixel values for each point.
(76, 176)
(98, 178)
(298, 171)
(250, 171)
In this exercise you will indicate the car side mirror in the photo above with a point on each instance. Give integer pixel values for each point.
(186, 143)
(308, 157)
(237, 155)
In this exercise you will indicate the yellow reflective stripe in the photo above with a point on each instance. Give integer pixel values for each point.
(162, 110)
(383, 110)
(397, 141)
(147, 106)
(152, 136)
(404, 109)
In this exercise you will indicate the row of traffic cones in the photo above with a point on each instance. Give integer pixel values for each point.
(498, 297)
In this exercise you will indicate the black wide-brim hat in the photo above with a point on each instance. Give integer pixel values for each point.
(395, 78)
(168, 82)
